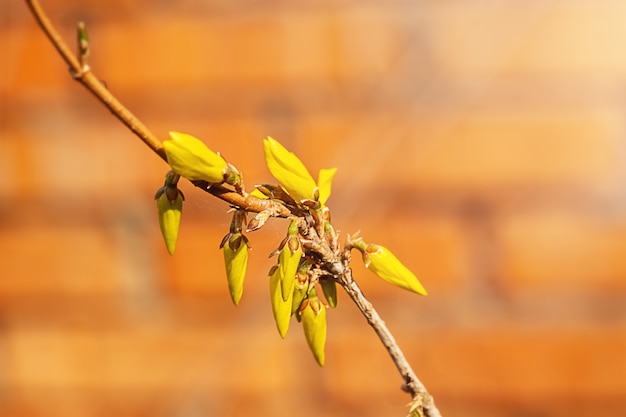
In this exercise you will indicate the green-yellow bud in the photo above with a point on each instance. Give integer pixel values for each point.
(169, 215)
(280, 308)
(301, 288)
(189, 157)
(235, 247)
(383, 263)
(329, 288)
(313, 315)
(289, 171)
(289, 259)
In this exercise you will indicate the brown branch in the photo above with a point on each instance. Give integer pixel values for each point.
(335, 262)
(339, 266)
(82, 73)
(422, 400)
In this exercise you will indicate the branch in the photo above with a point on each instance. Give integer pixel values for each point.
(422, 400)
(335, 262)
(423, 403)
(81, 72)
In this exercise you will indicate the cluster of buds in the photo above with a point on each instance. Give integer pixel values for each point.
(292, 293)
(298, 275)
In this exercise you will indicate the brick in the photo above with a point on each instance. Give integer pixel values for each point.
(563, 251)
(560, 40)
(517, 148)
(573, 39)
(49, 261)
(434, 248)
(80, 161)
(497, 360)
(482, 149)
(190, 52)
(28, 47)
(132, 366)
(197, 268)
(524, 362)
(283, 46)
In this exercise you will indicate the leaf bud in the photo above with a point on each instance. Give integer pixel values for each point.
(259, 220)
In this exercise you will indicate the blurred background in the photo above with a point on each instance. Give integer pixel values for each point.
(484, 142)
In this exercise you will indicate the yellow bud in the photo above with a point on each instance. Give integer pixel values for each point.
(235, 247)
(299, 294)
(280, 308)
(329, 288)
(169, 216)
(289, 171)
(189, 157)
(313, 315)
(288, 260)
(383, 263)
(301, 288)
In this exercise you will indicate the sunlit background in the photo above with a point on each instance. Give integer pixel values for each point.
(484, 142)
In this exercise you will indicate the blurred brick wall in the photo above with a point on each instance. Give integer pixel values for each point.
(484, 142)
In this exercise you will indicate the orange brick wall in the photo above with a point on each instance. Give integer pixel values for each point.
(484, 142)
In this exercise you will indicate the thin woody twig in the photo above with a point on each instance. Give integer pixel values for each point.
(421, 398)
(337, 263)
(82, 73)
(422, 402)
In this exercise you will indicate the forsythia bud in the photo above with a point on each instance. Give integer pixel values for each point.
(280, 308)
(329, 288)
(169, 214)
(289, 171)
(189, 157)
(313, 315)
(235, 247)
(301, 288)
(289, 260)
(383, 263)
